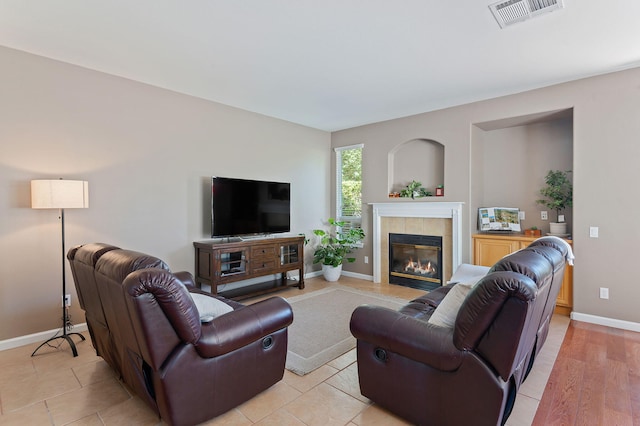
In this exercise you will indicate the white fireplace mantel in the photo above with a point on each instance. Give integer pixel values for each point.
(442, 210)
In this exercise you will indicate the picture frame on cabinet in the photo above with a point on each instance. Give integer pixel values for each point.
(499, 219)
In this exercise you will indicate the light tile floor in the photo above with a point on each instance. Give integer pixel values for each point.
(54, 388)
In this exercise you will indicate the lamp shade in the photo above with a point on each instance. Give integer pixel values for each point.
(59, 194)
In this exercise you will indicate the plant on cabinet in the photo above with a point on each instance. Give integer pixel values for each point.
(558, 195)
(532, 232)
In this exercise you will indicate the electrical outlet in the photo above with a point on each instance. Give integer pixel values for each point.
(604, 293)
(544, 215)
(593, 231)
(521, 215)
(67, 300)
(366, 259)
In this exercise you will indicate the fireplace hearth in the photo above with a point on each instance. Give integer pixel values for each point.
(415, 260)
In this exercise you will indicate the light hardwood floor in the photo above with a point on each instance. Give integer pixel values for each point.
(54, 388)
(595, 379)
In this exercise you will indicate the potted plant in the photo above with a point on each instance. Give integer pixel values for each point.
(558, 194)
(332, 247)
(414, 190)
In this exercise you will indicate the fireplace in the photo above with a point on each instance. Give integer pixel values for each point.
(423, 218)
(415, 260)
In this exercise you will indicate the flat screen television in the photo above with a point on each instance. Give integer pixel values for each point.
(241, 207)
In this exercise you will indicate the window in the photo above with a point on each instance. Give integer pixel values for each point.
(349, 185)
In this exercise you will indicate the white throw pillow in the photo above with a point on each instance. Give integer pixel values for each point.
(209, 307)
(447, 311)
(467, 276)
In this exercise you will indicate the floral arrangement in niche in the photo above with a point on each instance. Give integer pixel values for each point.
(415, 190)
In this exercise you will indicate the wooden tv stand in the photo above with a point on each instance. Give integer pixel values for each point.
(222, 262)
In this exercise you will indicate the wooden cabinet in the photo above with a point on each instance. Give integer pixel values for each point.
(489, 248)
(221, 263)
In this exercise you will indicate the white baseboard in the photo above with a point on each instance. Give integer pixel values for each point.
(357, 275)
(609, 322)
(36, 337)
(312, 274)
(318, 273)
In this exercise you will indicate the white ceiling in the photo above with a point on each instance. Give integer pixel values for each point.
(330, 64)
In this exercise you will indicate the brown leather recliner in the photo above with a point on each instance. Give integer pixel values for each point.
(559, 265)
(548, 283)
(185, 370)
(468, 374)
(83, 262)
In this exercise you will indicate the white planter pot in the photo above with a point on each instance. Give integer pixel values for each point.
(331, 273)
(558, 228)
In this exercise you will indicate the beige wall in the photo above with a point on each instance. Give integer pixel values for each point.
(514, 162)
(148, 155)
(605, 151)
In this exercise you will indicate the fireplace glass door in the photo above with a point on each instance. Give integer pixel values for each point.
(415, 260)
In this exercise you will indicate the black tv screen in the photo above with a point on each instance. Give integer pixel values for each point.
(248, 207)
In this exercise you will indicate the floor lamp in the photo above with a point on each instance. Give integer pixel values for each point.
(60, 194)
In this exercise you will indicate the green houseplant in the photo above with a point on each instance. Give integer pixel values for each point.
(333, 246)
(558, 195)
(414, 190)
(532, 232)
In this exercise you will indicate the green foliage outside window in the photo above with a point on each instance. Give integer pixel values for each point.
(351, 161)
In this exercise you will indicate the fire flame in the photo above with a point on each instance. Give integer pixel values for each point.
(419, 268)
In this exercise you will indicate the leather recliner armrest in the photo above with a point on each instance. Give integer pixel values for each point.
(185, 278)
(243, 326)
(410, 337)
(434, 297)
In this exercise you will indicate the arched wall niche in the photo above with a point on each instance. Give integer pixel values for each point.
(421, 160)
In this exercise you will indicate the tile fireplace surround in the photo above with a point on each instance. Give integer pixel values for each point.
(423, 218)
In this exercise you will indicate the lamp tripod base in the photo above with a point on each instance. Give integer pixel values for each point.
(65, 336)
(61, 193)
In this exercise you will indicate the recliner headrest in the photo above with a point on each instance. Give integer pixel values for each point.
(526, 262)
(89, 253)
(117, 264)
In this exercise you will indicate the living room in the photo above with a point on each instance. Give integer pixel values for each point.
(148, 154)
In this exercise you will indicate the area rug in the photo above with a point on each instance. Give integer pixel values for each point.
(320, 330)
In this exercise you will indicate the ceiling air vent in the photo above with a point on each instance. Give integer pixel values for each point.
(513, 11)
